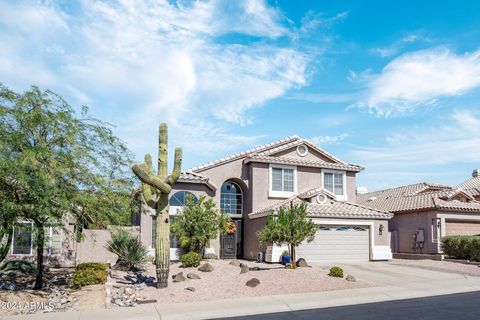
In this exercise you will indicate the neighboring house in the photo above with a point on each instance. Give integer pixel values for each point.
(425, 212)
(249, 185)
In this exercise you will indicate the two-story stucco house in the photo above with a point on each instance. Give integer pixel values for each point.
(249, 185)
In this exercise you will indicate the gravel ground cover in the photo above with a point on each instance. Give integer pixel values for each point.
(226, 282)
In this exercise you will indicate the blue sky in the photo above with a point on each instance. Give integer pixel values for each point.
(393, 86)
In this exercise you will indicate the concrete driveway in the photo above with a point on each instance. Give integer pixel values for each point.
(394, 281)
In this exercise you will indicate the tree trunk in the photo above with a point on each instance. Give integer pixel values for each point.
(162, 241)
(40, 237)
(293, 256)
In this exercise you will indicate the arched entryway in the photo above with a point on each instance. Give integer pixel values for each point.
(231, 203)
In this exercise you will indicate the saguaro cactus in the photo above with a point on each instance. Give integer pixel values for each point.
(155, 191)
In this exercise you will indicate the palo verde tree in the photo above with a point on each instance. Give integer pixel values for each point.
(290, 226)
(155, 190)
(57, 165)
(198, 223)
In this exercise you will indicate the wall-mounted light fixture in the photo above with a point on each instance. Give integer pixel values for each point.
(380, 229)
(439, 223)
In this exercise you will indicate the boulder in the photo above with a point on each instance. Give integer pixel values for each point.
(350, 278)
(191, 275)
(302, 263)
(235, 263)
(128, 290)
(252, 283)
(179, 277)
(178, 274)
(206, 267)
(243, 268)
(190, 289)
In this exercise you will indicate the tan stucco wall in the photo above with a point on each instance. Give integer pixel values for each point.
(311, 155)
(406, 224)
(251, 245)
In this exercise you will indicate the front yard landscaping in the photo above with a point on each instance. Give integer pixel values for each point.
(225, 282)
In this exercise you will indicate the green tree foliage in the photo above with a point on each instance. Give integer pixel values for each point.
(54, 163)
(198, 223)
(291, 226)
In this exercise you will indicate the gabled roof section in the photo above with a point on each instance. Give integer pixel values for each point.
(418, 197)
(191, 177)
(264, 153)
(407, 190)
(470, 184)
(333, 209)
(303, 162)
(243, 154)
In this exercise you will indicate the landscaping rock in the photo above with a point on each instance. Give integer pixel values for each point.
(235, 263)
(350, 278)
(302, 263)
(206, 267)
(193, 276)
(8, 286)
(190, 289)
(243, 268)
(178, 274)
(128, 291)
(179, 277)
(252, 283)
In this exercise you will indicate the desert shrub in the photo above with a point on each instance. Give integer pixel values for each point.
(17, 265)
(210, 256)
(89, 276)
(132, 254)
(336, 272)
(92, 265)
(191, 259)
(462, 247)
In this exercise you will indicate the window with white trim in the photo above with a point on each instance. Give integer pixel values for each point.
(334, 182)
(22, 238)
(53, 240)
(283, 179)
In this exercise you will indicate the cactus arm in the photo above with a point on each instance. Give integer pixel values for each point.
(163, 152)
(152, 181)
(177, 167)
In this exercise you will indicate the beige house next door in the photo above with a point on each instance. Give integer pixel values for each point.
(337, 243)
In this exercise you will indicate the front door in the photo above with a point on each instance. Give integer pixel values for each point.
(228, 246)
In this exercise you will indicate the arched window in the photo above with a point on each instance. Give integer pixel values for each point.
(179, 199)
(231, 199)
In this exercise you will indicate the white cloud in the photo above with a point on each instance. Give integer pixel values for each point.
(455, 142)
(393, 49)
(156, 60)
(420, 78)
(326, 140)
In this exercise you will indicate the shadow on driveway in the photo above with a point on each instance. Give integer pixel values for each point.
(462, 306)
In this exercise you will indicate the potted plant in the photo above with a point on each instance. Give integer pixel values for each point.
(286, 258)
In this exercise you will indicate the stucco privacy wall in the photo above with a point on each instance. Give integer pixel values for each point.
(407, 224)
(251, 245)
(92, 247)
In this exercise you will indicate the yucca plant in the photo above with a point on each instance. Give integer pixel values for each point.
(132, 254)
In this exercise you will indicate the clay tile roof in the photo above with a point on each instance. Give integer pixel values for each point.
(421, 196)
(239, 155)
(335, 209)
(303, 162)
(470, 184)
(191, 177)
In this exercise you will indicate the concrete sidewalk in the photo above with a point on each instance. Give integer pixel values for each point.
(394, 282)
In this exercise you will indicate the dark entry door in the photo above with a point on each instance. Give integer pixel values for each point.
(228, 246)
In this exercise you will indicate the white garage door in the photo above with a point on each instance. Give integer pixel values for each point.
(337, 244)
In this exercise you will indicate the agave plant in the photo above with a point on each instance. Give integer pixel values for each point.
(132, 254)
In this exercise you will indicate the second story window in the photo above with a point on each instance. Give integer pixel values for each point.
(333, 182)
(282, 181)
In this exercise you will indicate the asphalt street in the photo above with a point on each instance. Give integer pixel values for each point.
(464, 306)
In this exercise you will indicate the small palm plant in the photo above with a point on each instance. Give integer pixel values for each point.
(132, 254)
